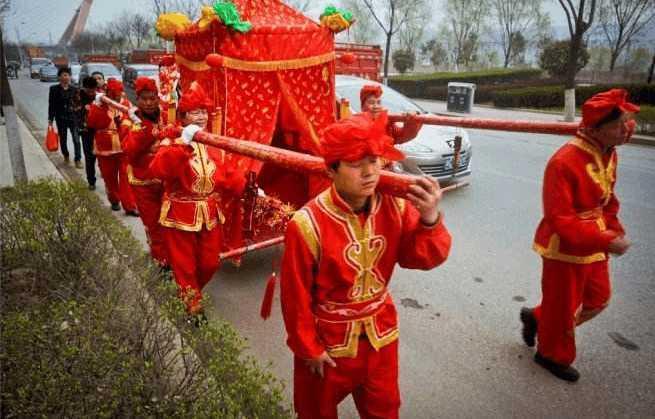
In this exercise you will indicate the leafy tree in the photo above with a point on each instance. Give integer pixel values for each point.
(554, 58)
(403, 60)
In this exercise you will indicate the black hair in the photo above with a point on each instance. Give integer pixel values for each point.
(610, 117)
(63, 70)
(98, 72)
(89, 82)
(335, 166)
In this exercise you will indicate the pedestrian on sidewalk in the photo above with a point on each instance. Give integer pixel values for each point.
(579, 230)
(340, 252)
(87, 96)
(61, 111)
(106, 122)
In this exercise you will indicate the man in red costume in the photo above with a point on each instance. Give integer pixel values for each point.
(370, 98)
(340, 252)
(579, 229)
(106, 123)
(195, 179)
(141, 144)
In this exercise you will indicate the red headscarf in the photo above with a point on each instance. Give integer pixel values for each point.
(369, 90)
(145, 83)
(600, 105)
(194, 98)
(354, 138)
(114, 86)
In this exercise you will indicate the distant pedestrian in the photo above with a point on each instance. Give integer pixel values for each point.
(61, 110)
(580, 228)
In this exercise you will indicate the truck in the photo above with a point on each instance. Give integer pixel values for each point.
(60, 61)
(146, 56)
(102, 58)
(359, 60)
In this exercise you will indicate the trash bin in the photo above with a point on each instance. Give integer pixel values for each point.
(460, 97)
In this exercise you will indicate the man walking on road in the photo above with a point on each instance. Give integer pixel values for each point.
(340, 252)
(87, 96)
(580, 228)
(61, 110)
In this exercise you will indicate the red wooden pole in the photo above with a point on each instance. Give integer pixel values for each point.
(556, 128)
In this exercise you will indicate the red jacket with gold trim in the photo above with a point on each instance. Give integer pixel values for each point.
(195, 180)
(140, 146)
(337, 266)
(107, 124)
(580, 207)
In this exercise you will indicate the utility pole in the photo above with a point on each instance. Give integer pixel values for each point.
(11, 121)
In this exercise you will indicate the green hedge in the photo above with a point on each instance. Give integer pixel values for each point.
(417, 85)
(553, 96)
(81, 336)
(485, 93)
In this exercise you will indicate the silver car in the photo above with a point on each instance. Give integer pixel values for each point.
(432, 152)
(48, 73)
(36, 64)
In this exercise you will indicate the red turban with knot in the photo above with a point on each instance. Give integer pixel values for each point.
(194, 98)
(369, 90)
(599, 106)
(145, 83)
(354, 138)
(114, 86)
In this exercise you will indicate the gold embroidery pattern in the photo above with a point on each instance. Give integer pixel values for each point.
(133, 180)
(200, 217)
(308, 230)
(553, 252)
(347, 349)
(236, 64)
(204, 167)
(601, 175)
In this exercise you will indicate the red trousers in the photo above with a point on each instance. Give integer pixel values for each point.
(114, 173)
(569, 292)
(194, 260)
(148, 201)
(371, 378)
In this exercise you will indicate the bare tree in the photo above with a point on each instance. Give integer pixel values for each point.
(411, 36)
(392, 16)
(363, 31)
(140, 28)
(621, 21)
(116, 38)
(579, 18)
(465, 19)
(515, 18)
(191, 8)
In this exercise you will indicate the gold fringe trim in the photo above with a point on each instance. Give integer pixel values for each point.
(235, 64)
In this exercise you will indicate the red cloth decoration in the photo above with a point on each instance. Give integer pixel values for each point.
(599, 106)
(214, 60)
(194, 98)
(267, 302)
(167, 60)
(144, 83)
(114, 86)
(368, 91)
(354, 138)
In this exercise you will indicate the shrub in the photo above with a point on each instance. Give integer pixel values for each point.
(91, 328)
(555, 55)
(403, 60)
(416, 85)
(553, 96)
(485, 93)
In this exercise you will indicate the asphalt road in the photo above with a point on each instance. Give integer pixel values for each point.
(460, 347)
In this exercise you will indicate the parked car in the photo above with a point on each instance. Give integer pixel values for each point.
(75, 74)
(132, 71)
(432, 151)
(48, 73)
(36, 64)
(107, 69)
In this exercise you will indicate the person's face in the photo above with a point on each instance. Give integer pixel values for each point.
(99, 79)
(373, 105)
(613, 133)
(197, 117)
(65, 78)
(357, 180)
(90, 91)
(148, 102)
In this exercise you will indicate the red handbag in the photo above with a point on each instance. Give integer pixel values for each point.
(51, 139)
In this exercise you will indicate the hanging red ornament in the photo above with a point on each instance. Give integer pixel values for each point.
(348, 58)
(214, 60)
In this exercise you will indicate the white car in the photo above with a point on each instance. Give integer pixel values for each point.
(107, 69)
(36, 64)
(432, 151)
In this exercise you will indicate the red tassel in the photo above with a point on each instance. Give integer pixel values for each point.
(267, 302)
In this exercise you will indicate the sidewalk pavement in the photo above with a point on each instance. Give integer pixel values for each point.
(37, 163)
(485, 111)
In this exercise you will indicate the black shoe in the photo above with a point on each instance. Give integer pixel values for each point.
(115, 206)
(529, 330)
(197, 320)
(132, 213)
(564, 372)
(92, 187)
